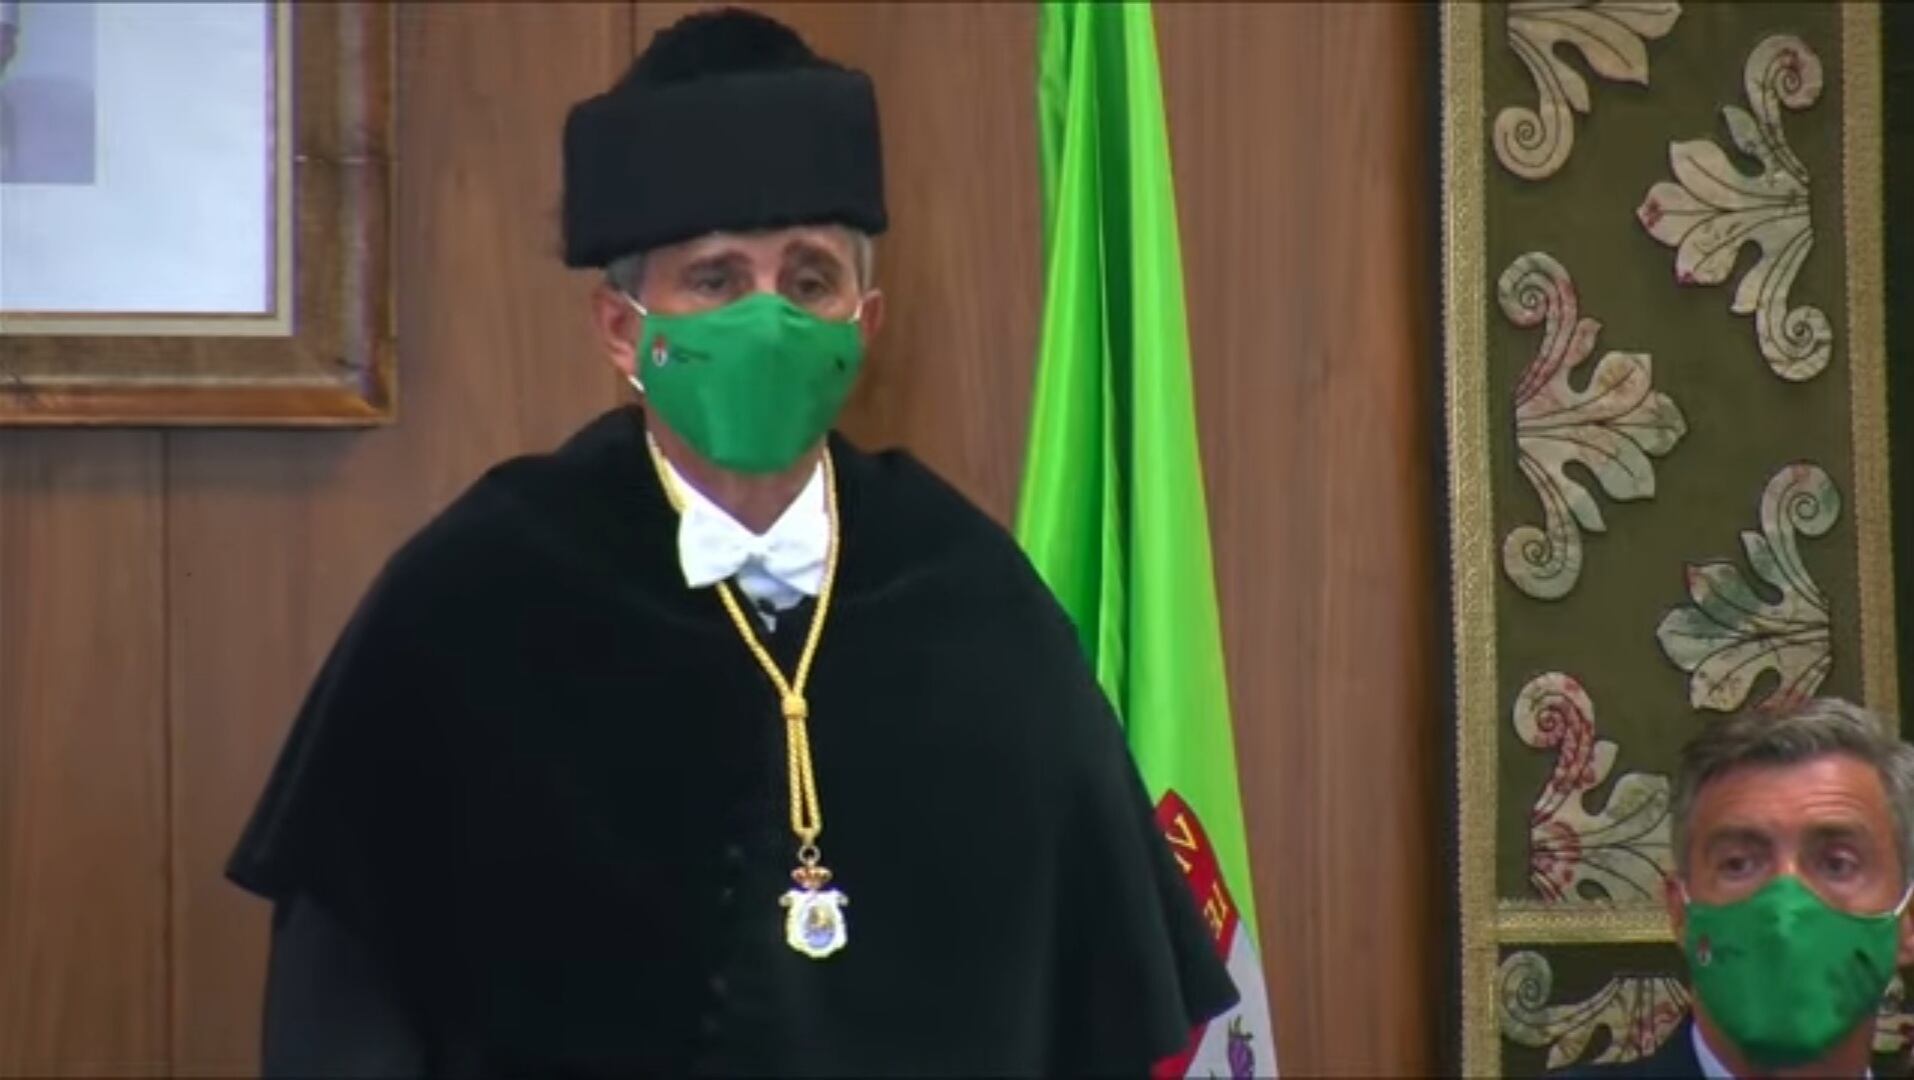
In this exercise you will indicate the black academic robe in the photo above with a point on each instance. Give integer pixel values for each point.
(545, 784)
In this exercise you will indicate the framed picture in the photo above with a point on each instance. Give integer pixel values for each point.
(1666, 435)
(195, 204)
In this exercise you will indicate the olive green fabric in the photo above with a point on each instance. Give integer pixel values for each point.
(1579, 974)
(1744, 423)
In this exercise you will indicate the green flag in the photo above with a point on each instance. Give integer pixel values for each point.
(1112, 510)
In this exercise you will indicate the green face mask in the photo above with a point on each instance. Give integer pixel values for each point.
(752, 385)
(1784, 975)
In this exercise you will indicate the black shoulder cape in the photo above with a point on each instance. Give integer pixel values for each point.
(545, 781)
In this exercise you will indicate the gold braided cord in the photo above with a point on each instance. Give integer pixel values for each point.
(807, 815)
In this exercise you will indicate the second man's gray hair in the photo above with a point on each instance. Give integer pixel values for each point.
(1802, 733)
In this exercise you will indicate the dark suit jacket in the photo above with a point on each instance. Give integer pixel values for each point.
(1676, 1058)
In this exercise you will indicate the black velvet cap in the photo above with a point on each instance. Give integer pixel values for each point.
(727, 121)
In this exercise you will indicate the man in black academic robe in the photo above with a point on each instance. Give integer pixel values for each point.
(547, 812)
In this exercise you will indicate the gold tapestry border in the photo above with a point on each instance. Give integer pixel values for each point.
(1471, 521)
(1863, 221)
(1520, 922)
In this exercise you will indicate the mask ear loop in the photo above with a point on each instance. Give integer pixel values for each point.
(636, 383)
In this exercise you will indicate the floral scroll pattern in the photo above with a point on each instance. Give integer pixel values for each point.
(1893, 1024)
(1639, 1012)
(1535, 143)
(1714, 208)
(1729, 634)
(1621, 849)
(1610, 425)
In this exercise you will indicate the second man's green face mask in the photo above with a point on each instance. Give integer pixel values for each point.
(1785, 975)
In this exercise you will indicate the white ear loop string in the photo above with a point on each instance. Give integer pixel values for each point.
(636, 383)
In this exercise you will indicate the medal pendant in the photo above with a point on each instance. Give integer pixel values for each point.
(813, 914)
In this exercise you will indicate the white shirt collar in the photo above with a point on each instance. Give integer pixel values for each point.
(1711, 1066)
(779, 568)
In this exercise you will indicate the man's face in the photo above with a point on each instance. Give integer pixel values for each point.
(1826, 821)
(814, 267)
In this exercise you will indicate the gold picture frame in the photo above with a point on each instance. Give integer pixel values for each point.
(325, 354)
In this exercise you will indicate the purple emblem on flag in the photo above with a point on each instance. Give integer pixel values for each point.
(1242, 1059)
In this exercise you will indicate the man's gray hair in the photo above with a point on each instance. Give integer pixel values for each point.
(1811, 730)
(627, 273)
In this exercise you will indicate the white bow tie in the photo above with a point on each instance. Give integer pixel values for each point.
(713, 547)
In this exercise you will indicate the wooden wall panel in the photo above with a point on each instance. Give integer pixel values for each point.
(1300, 145)
(275, 535)
(83, 876)
(214, 575)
